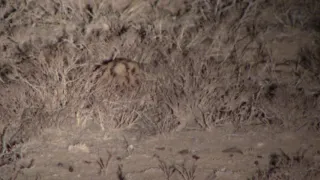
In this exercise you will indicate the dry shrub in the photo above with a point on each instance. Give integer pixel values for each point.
(289, 166)
(207, 62)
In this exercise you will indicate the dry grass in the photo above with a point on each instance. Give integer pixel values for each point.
(287, 166)
(207, 62)
(186, 169)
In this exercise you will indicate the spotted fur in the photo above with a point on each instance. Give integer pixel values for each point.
(119, 71)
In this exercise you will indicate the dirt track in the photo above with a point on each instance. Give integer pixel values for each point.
(217, 154)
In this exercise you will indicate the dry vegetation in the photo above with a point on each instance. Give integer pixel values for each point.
(207, 63)
(284, 166)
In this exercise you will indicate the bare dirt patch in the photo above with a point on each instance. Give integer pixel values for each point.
(216, 154)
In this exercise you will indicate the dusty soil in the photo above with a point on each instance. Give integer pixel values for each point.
(220, 153)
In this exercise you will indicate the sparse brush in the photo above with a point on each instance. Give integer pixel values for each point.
(285, 166)
(103, 165)
(187, 173)
(167, 169)
(11, 152)
(207, 63)
(11, 144)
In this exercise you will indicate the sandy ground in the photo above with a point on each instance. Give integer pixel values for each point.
(219, 153)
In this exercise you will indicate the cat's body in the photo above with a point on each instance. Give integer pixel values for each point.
(121, 72)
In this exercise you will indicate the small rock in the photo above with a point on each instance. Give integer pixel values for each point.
(81, 147)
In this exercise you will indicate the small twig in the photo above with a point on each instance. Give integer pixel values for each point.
(3, 141)
(186, 173)
(104, 165)
(168, 170)
(120, 172)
